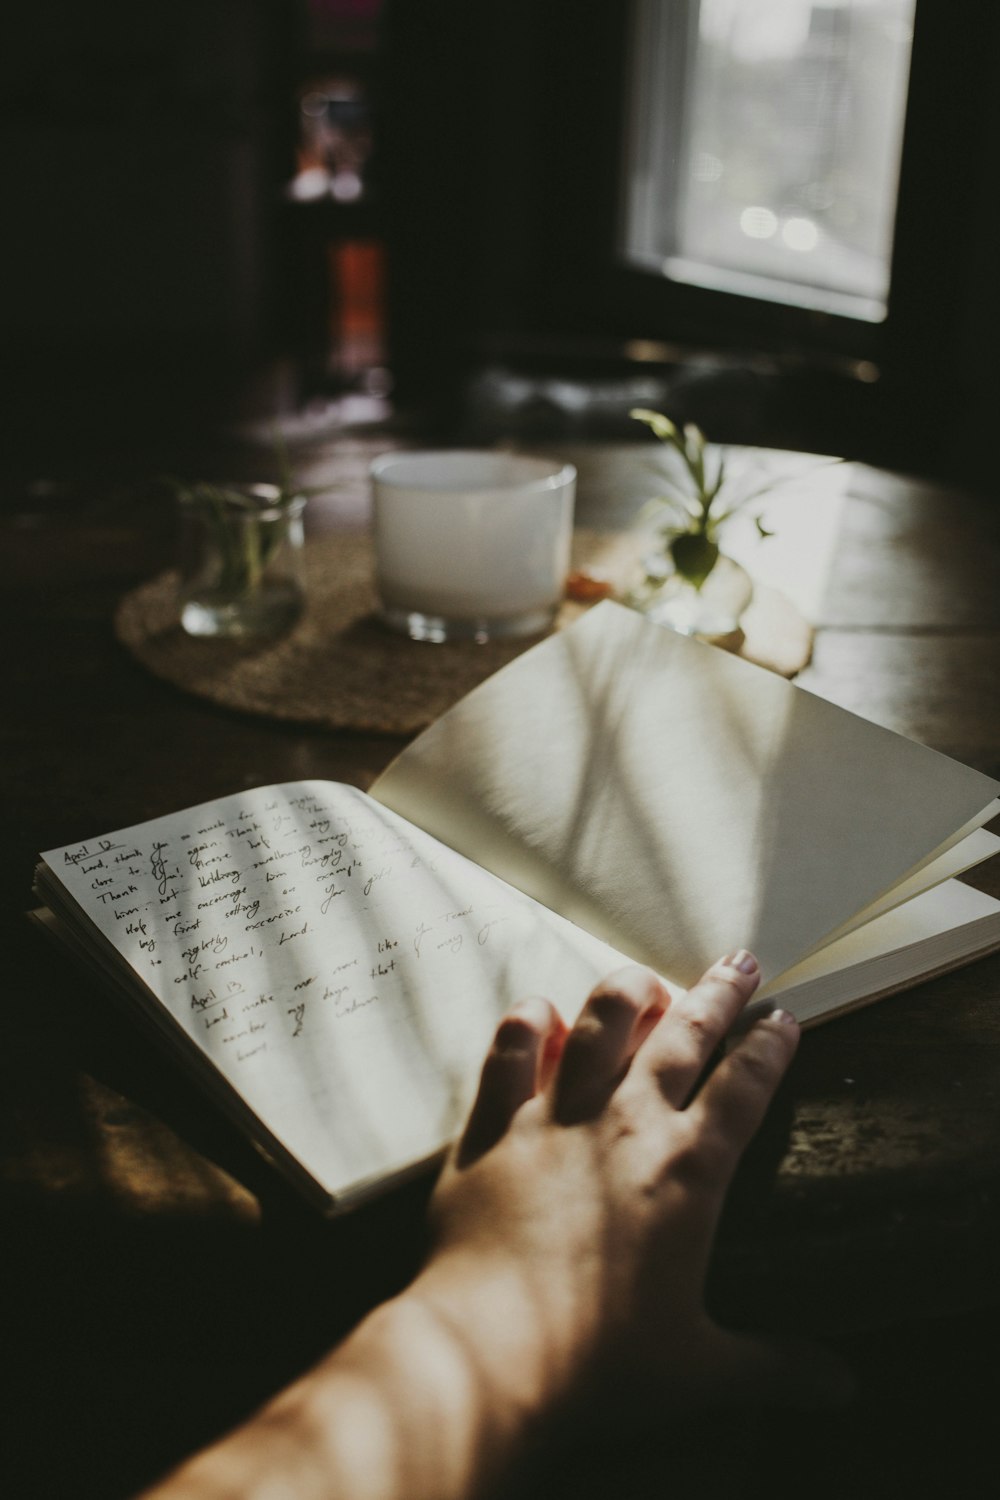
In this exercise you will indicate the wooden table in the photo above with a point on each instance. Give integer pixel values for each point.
(163, 1282)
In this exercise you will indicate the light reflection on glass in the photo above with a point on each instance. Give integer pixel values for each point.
(758, 223)
(800, 234)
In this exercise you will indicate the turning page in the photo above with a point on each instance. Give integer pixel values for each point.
(677, 801)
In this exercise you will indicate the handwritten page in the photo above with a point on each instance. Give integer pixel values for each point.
(341, 969)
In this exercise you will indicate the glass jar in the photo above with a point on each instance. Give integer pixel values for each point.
(711, 611)
(241, 560)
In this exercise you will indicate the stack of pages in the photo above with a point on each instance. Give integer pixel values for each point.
(332, 964)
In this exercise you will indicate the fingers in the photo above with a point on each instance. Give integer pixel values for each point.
(524, 1053)
(531, 1045)
(618, 1016)
(696, 1024)
(732, 1102)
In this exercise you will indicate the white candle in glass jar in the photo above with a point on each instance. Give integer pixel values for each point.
(471, 544)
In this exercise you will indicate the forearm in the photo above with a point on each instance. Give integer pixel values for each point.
(432, 1395)
(572, 1229)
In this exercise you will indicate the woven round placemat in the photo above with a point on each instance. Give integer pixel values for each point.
(341, 668)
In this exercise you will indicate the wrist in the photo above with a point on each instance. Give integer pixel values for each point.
(480, 1391)
(524, 1338)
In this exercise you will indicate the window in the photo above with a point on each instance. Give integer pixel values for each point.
(601, 201)
(763, 147)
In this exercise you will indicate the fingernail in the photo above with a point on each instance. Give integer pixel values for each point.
(534, 1011)
(743, 960)
(785, 1017)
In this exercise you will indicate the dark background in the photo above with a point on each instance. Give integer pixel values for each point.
(159, 279)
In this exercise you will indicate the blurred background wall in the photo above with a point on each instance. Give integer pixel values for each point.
(446, 215)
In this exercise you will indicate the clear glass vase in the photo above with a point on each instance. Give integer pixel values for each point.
(711, 611)
(241, 560)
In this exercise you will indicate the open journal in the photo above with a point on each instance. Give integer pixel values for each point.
(333, 963)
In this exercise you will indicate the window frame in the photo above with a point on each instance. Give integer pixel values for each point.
(505, 223)
(582, 282)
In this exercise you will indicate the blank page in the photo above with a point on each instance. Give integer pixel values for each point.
(677, 801)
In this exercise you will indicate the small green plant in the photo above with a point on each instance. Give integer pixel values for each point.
(246, 526)
(246, 523)
(695, 509)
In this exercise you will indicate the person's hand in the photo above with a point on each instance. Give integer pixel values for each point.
(574, 1220)
(572, 1224)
